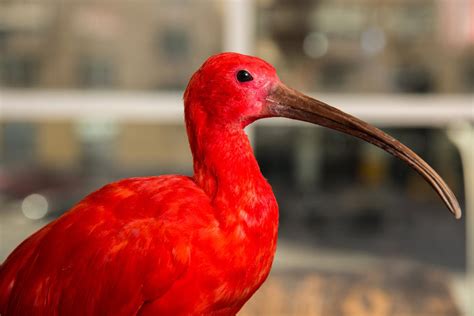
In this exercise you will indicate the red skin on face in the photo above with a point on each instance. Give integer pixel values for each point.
(167, 245)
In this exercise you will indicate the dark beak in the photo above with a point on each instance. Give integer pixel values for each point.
(286, 102)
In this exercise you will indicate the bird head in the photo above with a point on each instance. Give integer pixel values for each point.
(232, 89)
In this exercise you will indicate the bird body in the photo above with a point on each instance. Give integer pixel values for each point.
(177, 245)
(160, 244)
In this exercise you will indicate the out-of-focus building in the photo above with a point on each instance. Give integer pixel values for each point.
(363, 46)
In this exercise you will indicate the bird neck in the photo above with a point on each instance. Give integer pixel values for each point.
(226, 168)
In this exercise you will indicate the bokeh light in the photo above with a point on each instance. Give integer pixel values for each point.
(315, 45)
(34, 206)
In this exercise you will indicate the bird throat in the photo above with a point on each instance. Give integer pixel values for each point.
(226, 168)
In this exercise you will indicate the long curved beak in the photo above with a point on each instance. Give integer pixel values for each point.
(286, 102)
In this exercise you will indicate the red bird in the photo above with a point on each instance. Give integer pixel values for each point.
(177, 245)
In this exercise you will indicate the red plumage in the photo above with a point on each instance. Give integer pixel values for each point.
(168, 245)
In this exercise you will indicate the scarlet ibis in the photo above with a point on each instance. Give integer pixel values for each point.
(178, 245)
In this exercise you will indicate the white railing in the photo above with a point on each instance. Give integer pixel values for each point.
(382, 110)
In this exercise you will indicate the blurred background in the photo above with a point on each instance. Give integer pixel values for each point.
(91, 93)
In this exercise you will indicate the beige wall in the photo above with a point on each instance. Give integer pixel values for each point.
(145, 146)
(57, 145)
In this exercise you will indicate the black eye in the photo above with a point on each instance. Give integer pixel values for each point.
(243, 76)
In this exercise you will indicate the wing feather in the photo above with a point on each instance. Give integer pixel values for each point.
(120, 247)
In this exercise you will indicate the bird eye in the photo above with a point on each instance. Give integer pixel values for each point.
(244, 75)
